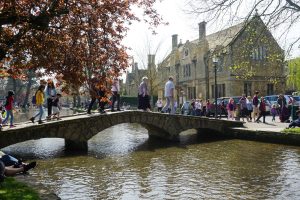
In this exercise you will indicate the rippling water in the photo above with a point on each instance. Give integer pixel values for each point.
(122, 163)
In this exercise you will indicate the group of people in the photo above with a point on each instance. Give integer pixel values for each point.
(47, 92)
(144, 98)
(44, 92)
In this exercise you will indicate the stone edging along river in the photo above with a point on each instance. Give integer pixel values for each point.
(44, 192)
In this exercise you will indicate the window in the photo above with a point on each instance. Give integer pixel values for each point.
(247, 89)
(187, 70)
(259, 53)
(186, 52)
(191, 92)
(220, 90)
(270, 89)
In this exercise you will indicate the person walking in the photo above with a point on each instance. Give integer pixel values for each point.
(143, 95)
(249, 107)
(255, 105)
(50, 92)
(262, 110)
(273, 112)
(169, 94)
(39, 95)
(230, 109)
(116, 95)
(56, 107)
(9, 105)
(243, 107)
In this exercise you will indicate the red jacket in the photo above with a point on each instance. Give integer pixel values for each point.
(9, 105)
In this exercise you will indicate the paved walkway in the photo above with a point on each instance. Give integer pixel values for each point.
(276, 126)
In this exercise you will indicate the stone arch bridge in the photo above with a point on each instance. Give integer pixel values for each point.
(77, 130)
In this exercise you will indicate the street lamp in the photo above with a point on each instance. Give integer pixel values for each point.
(215, 61)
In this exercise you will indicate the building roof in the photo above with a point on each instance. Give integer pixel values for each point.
(223, 37)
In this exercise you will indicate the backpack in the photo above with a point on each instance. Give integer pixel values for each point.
(33, 100)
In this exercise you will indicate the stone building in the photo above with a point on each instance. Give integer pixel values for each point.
(134, 78)
(248, 59)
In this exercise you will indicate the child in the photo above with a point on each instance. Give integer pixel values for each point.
(9, 104)
(56, 107)
(273, 112)
(230, 109)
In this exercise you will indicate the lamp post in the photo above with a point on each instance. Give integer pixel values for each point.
(215, 60)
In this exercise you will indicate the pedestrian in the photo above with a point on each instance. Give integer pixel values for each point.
(169, 95)
(230, 109)
(262, 110)
(273, 112)
(198, 107)
(9, 106)
(159, 104)
(116, 94)
(143, 95)
(56, 107)
(249, 107)
(243, 107)
(102, 99)
(50, 93)
(255, 103)
(193, 110)
(40, 97)
(295, 122)
(208, 108)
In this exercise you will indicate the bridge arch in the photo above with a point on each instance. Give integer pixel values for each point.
(77, 130)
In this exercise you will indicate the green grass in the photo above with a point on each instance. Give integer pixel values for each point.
(10, 189)
(292, 130)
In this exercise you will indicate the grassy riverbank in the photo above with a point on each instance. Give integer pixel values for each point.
(292, 130)
(10, 189)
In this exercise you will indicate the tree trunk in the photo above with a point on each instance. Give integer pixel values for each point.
(28, 88)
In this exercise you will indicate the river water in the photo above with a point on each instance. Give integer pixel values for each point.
(123, 163)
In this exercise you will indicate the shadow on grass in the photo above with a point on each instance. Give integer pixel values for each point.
(11, 189)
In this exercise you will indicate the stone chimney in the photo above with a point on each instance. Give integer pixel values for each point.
(135, 67)
(202, 30)
(174, 41)
(151, 61)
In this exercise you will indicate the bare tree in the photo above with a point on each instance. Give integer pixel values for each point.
(147, 56)
(277, 14)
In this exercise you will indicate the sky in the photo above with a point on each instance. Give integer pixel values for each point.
(186, 26)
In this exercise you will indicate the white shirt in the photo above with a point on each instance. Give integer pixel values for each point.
(115, 87)
(159, 103)
(168, 88)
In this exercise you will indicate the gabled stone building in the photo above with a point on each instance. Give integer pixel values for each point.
(249, 59)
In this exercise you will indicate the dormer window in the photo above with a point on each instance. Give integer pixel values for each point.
(186, 52)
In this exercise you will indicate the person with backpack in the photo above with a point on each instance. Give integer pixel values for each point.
(39, 96)
(9, 105)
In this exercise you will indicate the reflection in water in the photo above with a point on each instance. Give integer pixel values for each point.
(122, 163)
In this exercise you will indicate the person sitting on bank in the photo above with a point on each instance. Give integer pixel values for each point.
(10, 166)
(296, 122)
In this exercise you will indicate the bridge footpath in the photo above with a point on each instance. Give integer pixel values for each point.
(78, 129)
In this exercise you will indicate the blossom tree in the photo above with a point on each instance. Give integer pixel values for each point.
(76, 40)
